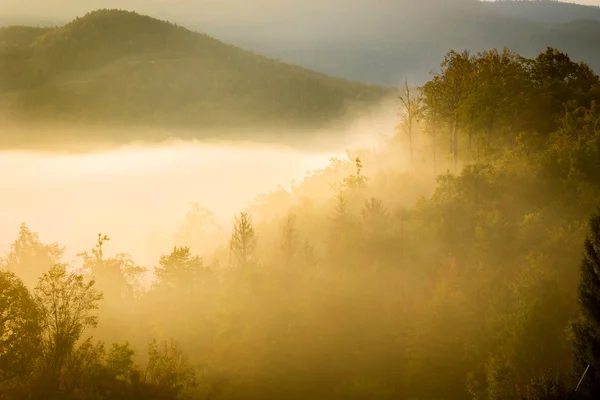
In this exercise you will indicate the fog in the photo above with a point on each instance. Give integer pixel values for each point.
(430, 251)
(137, 194)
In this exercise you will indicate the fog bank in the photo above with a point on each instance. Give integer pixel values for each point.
(137, 195)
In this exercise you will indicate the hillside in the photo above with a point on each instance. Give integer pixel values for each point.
(360, 40)
(382, 42)
(545, 10)
(377, 277)
(120, 68)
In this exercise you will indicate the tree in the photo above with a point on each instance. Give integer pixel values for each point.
(199, 231)
(587, 328)
(180, 270)
(342, 232)
(356, 181)
(29, 258)
(242, 244)
(19, 333)
(497, 99)
(375, 220)
(448, 90)
(118, 278)
(557, 79)
(168, 369)
(67, 302)
(409, 113)
(289, 240)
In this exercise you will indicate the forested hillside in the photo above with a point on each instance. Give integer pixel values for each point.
(117, 68)
(546, 10)
(367, 280)
(383, 42)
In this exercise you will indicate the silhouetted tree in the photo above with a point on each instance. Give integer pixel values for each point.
(587, 327)
(67, 303)
(242, 244)
(289, 240)
(20, 330)
(409, 112)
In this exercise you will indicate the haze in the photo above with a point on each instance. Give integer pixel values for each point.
(137, 195)
(271, 232)
(69, 197)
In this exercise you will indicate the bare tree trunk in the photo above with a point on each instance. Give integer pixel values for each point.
(455, 142)
(434, 160)
(410, 143)
(470, 135)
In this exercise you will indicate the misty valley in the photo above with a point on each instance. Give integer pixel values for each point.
(54, 192)
(182, 219)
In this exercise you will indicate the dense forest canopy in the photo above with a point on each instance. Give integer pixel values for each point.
(115, 68)
(365, 280)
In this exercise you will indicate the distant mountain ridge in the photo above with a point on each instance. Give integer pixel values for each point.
(378, 42)
(384, 42)
(546, 10)
(122, 68)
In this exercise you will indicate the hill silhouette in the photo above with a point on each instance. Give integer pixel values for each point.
(361, 40)
(383, 42)
(545, 10)
(114, 67)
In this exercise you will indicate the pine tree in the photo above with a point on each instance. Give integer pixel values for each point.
(289, 241)
(587, 327)
(242, 245)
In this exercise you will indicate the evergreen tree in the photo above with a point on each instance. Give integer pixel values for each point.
(28, 258)
(243, 241)
(289, 242)
(587, 327)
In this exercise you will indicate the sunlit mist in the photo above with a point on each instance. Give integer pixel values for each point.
(134, 193)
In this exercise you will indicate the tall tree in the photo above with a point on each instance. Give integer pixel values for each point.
(448, 91)
(556, 79)
(199, 231)
(409, 113)
(29, 258)
(168, 369)
(289, 246)
(242, 244)
(19, 334)
(68, 303)
(180, 270)
(497, 99)
(587, 327)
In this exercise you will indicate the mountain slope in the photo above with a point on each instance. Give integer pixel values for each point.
(120, 68)
(383, 42)
(545, 11)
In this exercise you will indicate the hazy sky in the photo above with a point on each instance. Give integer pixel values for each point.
(588, 2)
(228, 10)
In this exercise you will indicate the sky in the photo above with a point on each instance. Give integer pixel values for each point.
(231, 10)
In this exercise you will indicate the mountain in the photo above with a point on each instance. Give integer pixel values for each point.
(382, 42)
(545, 10)
(120, 68)
(378, 42)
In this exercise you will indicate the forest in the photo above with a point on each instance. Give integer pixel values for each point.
(114, 68)
(460, 260)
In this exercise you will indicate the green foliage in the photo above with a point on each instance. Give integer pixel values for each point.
(388, 286)
(29, 258)
(168, 369)
(19, 332)
(484, 101)
(119, 68)
(587, 328)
